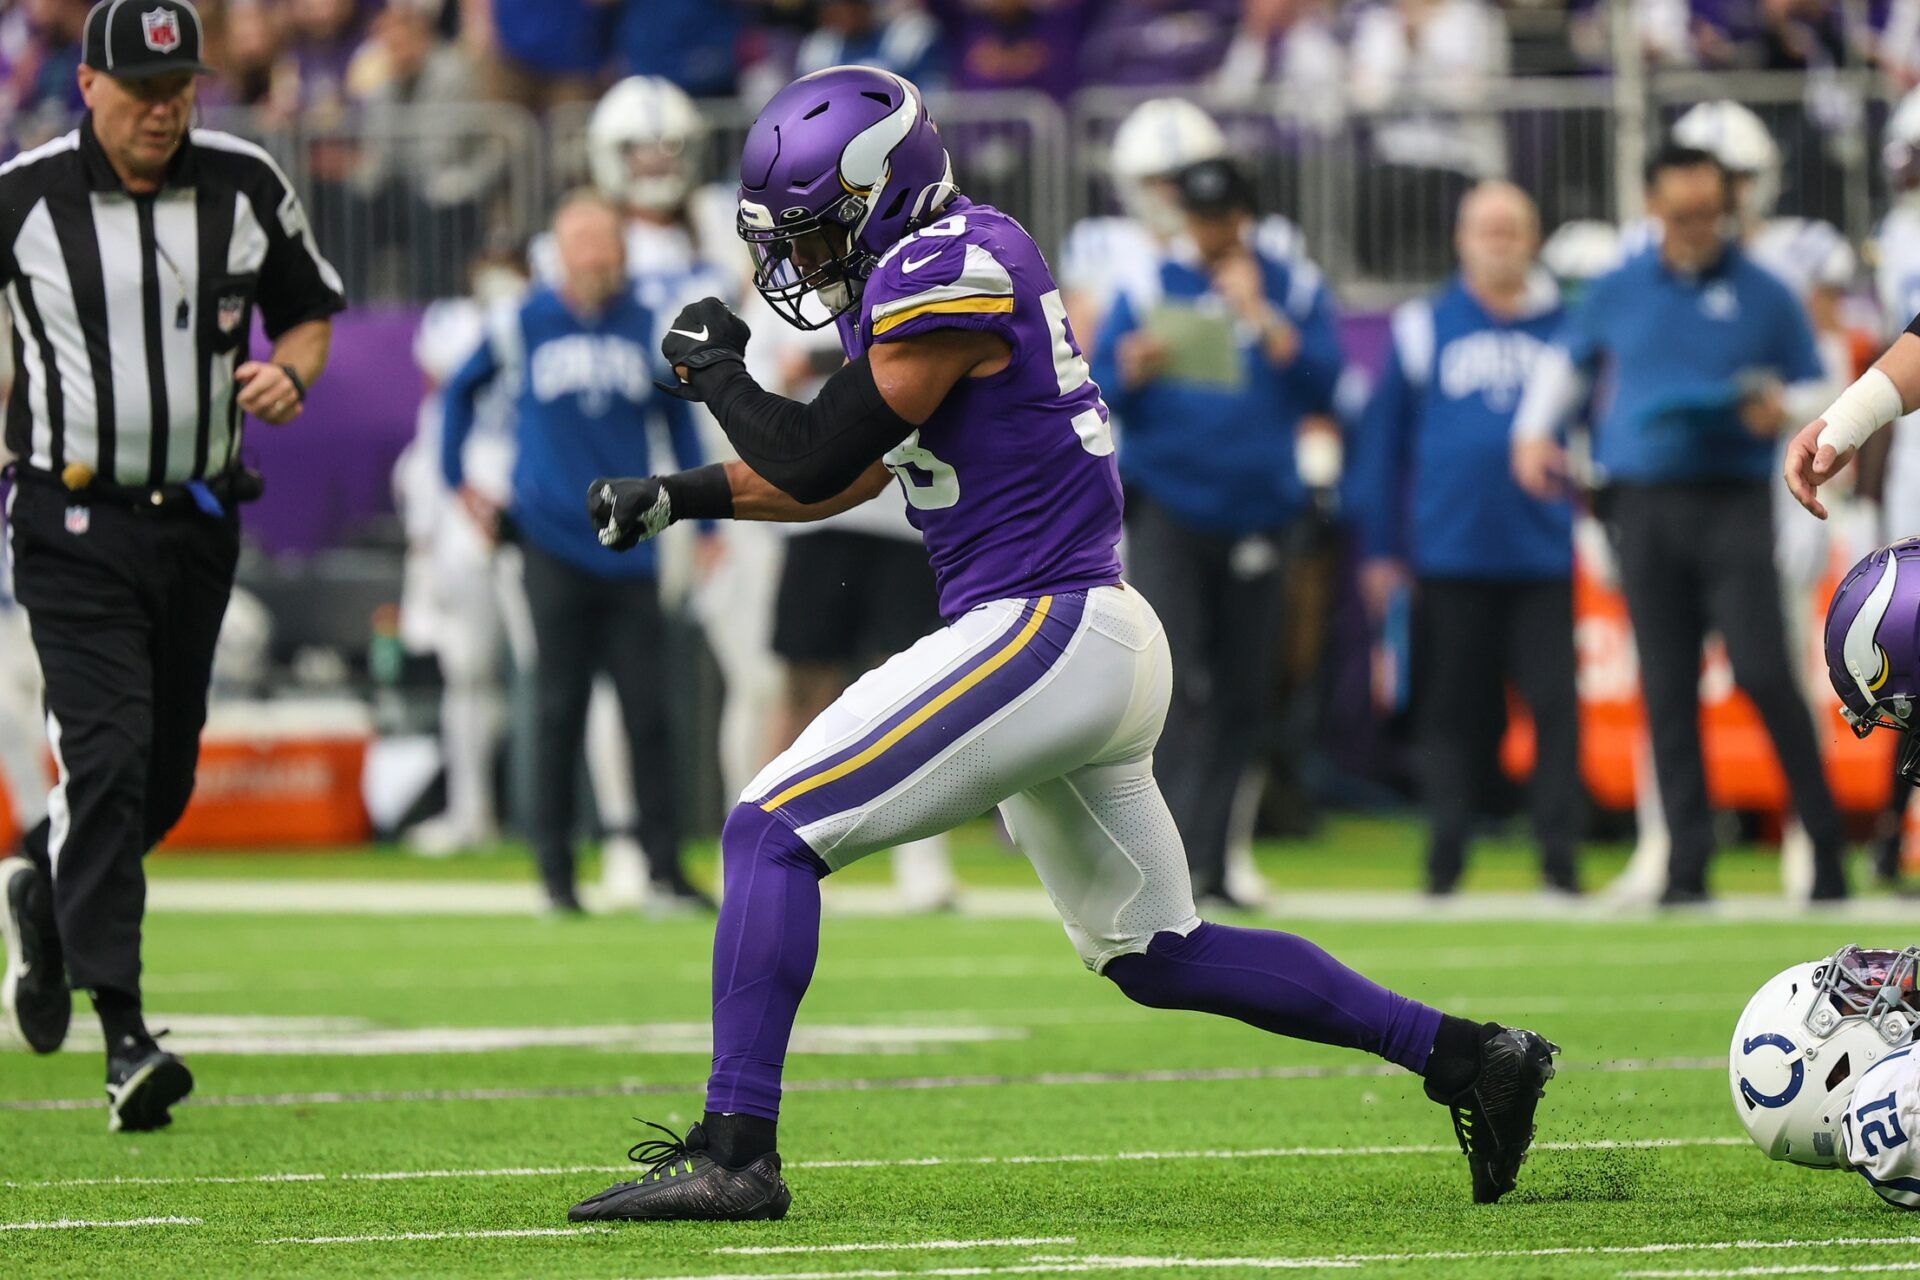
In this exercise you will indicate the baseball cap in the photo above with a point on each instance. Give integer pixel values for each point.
(1214, 188)
(131, 39)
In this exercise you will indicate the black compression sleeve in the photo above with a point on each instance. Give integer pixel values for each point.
(810, 452)
(703, 493)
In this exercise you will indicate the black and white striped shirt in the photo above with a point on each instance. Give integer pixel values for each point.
(131, 312)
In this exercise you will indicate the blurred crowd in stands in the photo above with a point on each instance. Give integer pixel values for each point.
(319, 61)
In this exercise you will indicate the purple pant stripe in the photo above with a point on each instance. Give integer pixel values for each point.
(1019, 673)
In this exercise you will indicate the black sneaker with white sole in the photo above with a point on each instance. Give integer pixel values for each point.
(1493, 1114)
(686, 1184)
(144, 1081)
(35, 1000)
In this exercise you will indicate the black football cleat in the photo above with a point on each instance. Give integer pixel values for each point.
(34, 997)
(144, 1081)
(685, 1184)
(1493, 1116)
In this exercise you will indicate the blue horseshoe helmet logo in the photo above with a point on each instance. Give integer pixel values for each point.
(1798, 1078)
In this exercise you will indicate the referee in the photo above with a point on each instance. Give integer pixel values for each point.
(133, 253)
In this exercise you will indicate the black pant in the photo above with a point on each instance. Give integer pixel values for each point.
(1220, 601)
(1470, 638)
(1695, 556)
(584, 625)
(125, 606)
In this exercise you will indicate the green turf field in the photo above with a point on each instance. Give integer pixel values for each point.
(427, 1095)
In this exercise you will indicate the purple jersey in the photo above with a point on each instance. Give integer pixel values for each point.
(1012, 481)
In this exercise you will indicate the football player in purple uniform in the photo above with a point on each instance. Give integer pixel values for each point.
(1044, 693)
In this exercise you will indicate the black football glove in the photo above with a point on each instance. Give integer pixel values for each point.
(705, 335)
(628, 512)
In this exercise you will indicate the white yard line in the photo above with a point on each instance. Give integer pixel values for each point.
(885, 1084)
(443, 897)
(1065, 1266)
(1019, 1269)
(1128, 1262)
(74, 1224)
(357, 1038)
(1809, 1269)
(1000, 1242)
(524, 1233)
(907, 1162)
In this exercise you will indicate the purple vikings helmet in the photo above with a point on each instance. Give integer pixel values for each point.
(839, 168)
(1873, 647)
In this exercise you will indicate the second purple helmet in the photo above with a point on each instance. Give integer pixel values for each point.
(838, 168)
(1873, 646)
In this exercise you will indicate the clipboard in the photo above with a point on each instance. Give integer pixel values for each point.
(1202, 347)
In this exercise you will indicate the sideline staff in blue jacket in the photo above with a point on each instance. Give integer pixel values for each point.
(1430, 489)
(579, 357)
(1209, 364)
(1702, 357)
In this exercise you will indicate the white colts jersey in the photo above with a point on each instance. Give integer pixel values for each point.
(1805, 253)
(1881, 1124)
(1897, 282)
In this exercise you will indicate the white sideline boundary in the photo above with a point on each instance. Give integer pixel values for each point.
(1804, 1269)
(77, 1224)
(1000, 1242)
(521, 1233)
(1062, 1264)
(513, 898)
(642, 1089)
(906, 1162)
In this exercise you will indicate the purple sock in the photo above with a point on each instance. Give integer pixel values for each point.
(764, 946)
(1279, 983)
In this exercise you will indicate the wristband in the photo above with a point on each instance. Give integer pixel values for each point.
(1862, 409)
(299, 387)
(703, 493)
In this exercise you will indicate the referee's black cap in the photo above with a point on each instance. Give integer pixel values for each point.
(132, 39)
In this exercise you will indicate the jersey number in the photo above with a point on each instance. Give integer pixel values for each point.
(1887, 1131)
(1071, 373)
(931, 484)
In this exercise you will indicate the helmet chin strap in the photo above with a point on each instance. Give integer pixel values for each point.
(1907, 761)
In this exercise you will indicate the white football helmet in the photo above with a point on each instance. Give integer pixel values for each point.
(1735, 137)
(1900, 145)
(1804, 1040)
(1581, 251)
(1159, 138)
(643, 144)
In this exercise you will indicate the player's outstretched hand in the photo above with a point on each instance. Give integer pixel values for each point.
(628, 512)
(1811, 464)
(705, 334)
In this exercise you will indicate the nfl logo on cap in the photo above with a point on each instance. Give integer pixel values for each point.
(161, 27)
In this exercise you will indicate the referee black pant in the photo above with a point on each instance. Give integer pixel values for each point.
(1695, 557)
(125, 606)
(1470, 639)
(583, 625)
(1220, 600)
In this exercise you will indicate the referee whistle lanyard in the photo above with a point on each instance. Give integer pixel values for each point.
(182, 313)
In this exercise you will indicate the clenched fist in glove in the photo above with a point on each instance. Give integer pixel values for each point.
(628, 512)
(706, 335)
